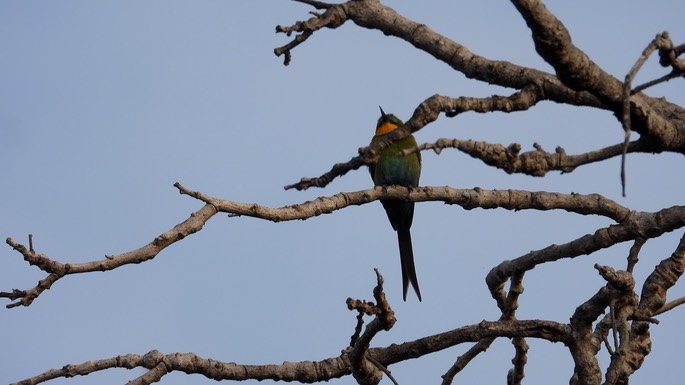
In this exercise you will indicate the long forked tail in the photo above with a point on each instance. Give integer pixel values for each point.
(407, 262)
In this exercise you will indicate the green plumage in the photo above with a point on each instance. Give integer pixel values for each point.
(393, 169)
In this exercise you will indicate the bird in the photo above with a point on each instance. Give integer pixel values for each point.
(395, 169)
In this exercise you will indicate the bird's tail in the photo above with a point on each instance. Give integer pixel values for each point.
(407, 262)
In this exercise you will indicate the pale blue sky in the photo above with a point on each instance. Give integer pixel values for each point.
(105, 104)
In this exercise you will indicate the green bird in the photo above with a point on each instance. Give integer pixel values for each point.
(394, 169)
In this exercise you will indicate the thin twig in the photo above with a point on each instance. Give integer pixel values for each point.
(634, 252)
(315, 4)
(657, 42)
(671, 305)
(382, 369)
(671, 75)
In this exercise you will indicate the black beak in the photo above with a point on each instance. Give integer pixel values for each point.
(382, 113)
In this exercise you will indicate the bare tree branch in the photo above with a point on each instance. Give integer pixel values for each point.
(665, 275)
(330, 19)
(575, 69)
(535, 163)
(469, 199)
(547, 330)
(508, 303)
(652, 299)
(671, 305)
(584, 345)
(669, 76)
(593, 204)
(633, 254)
(668, 56)
(584, 78)
(660, 41)
(372, 14)
(365, 369)
(57, 270)
(308, 371)
(315, 4)
(516, 374)
(637, 225)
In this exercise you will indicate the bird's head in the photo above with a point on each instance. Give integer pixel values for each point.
(387, 123)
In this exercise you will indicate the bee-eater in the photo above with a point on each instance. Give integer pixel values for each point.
(394, 169)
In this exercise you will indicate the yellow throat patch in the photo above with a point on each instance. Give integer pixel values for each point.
(385, 128)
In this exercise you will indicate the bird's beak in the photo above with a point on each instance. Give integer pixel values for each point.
(382, 113)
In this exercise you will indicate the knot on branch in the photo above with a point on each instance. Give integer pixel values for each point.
(620, 280)
(153, 358)
(668, 54)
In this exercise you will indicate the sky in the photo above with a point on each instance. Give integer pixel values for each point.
(105, 105)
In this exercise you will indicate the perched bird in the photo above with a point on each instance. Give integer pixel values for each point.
(394, 169)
